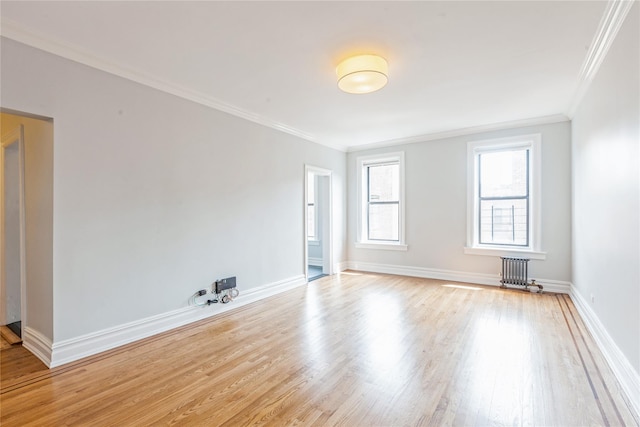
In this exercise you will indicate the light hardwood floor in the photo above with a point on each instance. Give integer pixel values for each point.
(355, 350)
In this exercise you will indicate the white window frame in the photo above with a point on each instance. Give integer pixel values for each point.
(361, 238)
(474, 149)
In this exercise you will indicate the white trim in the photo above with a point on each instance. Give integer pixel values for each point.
(38, 344)
(316, 262)
(73, 349)
(536, 121)
(341, 266)
(268, 290)
(558, 286)
(505, 252)
(327, 248)
(361, 163)
(534, 143)
(426, 273)
(383, 246)
(15, 31)
(610, 23)
(627, 377)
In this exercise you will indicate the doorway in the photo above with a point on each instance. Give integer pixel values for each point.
(12, 247)
(318, 242)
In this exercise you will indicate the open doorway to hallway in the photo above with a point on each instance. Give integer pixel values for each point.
(26, 222)
(318, 241)
(12, 224)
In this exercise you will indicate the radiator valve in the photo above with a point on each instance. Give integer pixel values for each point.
(533, 283)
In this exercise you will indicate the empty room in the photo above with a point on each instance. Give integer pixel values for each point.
(366, 213)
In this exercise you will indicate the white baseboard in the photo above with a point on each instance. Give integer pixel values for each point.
(426, 273)
(628, 378)
(316, 262)
(261, 292)
(340, 266)
(73, 349)
(557, 286)
(451, 275)
(37, 344)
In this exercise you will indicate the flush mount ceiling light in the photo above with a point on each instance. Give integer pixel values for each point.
(362, 74)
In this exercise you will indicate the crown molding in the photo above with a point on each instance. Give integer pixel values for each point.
(614, 15)
(15, 31)
(536, 121)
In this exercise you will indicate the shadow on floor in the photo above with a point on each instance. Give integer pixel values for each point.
(315, 272)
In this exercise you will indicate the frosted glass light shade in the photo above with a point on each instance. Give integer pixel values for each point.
(362, 74)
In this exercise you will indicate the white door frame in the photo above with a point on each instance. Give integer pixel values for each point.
(328, 213)
(16, 136)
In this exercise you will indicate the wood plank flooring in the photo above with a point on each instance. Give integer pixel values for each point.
(357, 349)
(4, 343)
(9, 336)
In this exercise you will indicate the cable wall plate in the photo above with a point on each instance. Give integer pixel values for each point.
(224, 284)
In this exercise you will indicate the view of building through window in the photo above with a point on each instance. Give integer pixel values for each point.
(383, 201)
(311, 207)
(504, 197)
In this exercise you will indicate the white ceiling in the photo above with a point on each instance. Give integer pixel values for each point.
(452, 65)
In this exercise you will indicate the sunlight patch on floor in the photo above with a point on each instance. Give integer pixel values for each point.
(470, 288)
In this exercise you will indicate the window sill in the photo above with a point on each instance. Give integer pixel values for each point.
(516, 253)
(383, 246)
(313, 242)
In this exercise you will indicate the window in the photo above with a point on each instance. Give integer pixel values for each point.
(312, 229)
(503, 210)
(503, 197)
(381, 209)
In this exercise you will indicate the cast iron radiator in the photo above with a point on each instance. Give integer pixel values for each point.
(515, 271)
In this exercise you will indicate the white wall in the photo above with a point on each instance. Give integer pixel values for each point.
(155, 197)
(606, 193)
(38, 176)
(436, 206)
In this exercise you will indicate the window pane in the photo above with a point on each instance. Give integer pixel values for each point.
(384, 183)
(383, 222)
(503, 173)
(311, 221)
(311, 196)
(503, 222)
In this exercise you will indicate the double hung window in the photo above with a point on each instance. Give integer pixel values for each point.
(503, 197)
(504, 202)
(381, 208)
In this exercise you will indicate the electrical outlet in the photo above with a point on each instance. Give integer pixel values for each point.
(592, 298)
